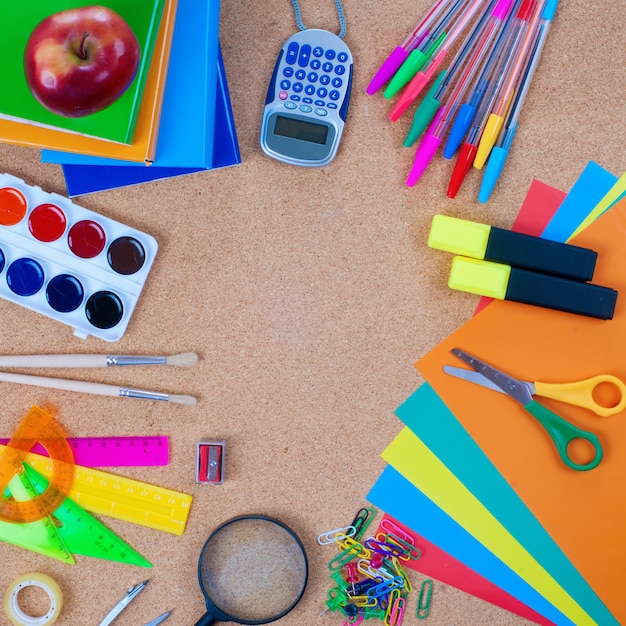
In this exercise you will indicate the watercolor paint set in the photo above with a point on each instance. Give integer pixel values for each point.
(69, 263)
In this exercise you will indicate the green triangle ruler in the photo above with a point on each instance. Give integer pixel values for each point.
(41, 536)
(85, 535)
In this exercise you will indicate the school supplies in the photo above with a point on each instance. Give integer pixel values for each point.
(34, 579)
(147, 451)
(183, 359)
(100, 389)
(479, 241)
(586, 393)
(562, 432)
(115, 122)
(69, 263)
(131, 594)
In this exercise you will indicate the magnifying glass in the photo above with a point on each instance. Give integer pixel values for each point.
(252, 570)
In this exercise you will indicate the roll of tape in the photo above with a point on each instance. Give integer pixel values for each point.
(34, 579)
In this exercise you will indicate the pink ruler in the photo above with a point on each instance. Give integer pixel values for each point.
(115, 451)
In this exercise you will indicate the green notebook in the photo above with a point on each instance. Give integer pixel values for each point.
(117, 121)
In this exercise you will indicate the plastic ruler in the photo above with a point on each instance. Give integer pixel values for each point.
(149, 451)
(120, 497)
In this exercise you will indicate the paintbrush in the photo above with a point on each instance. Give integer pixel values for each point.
(185, 359)
(100, 389)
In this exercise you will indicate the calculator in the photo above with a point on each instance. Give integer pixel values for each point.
(307, 99)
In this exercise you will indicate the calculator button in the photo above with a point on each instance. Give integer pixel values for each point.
(300, 74)
(312, 77)
(333, 95)
(327, 67)
(322, 92)
(315, 64)
(305, 108)
(321, 112)
(298, 87)
(332, 105)
(340, 70)
(318, 51)
(309, 90)
(324, 79)
(283, 95)
(288, 72)
(307, 100)
(330, 54)
(319, 103)
(295, 98)
(337, 82)
(292, 53)
(342, 57)
(291, 105)
(285, 84)
(305, 55)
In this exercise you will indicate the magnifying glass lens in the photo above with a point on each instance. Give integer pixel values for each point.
(253, 570)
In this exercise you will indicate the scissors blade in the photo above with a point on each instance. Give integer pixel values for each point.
(517, 389)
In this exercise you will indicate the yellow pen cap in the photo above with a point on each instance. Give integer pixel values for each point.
(459, 236)
(480, 277)
(488, 139)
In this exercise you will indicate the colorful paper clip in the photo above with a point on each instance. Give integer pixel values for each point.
(362, 521)
(423, 603)
(329, 537)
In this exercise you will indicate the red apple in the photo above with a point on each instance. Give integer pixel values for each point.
(81, 60)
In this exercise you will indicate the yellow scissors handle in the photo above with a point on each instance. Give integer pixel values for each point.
(581, 393)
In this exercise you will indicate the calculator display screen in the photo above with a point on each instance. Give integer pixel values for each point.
(297, 129)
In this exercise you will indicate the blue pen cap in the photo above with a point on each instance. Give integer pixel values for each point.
(549, 10)
(462, 122)
(492, 172)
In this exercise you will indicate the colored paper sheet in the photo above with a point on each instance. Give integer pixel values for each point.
(409, 456)
(592, 185)
(436, 427)
(437, 564)
(392, 492)
(614, 195)
(187, 121)
(115, 122)
(85, 179)
(144, 142)
(583, 512)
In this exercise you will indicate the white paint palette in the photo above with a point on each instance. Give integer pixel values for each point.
(70, 263)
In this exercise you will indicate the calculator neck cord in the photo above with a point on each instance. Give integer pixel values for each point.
(342, 17)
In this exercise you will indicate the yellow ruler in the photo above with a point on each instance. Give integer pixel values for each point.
(119, 497)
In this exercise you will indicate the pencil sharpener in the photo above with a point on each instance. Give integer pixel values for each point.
(210, 461)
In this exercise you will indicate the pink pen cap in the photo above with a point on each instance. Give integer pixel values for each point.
(414, 88)
(387, 70)
(424, 153)
(461, 167)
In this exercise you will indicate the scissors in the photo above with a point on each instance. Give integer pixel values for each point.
(561, 431)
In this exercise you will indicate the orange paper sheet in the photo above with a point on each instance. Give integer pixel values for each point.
(143, 147)
(583, 511)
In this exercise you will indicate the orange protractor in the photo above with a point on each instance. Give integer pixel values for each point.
(37, 426)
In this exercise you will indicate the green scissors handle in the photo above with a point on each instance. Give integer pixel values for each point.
(563, 433)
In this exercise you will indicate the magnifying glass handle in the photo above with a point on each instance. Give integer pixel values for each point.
(206, 620)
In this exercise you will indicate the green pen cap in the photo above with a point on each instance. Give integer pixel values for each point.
(425, 113)
(414, 63)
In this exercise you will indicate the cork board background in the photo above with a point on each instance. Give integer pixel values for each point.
(308, 294)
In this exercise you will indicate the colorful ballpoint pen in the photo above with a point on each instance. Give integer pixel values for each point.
(429, 46)
(401, 53)
(467, 111)
(460, 71)
(519, 59)
(431, 141)
(500, 151)
(421, 79)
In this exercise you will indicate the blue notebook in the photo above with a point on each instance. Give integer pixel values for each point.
(85, 179)
(186, 131)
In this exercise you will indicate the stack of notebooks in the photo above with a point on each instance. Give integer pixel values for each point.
(174, 119)
(477, 481)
